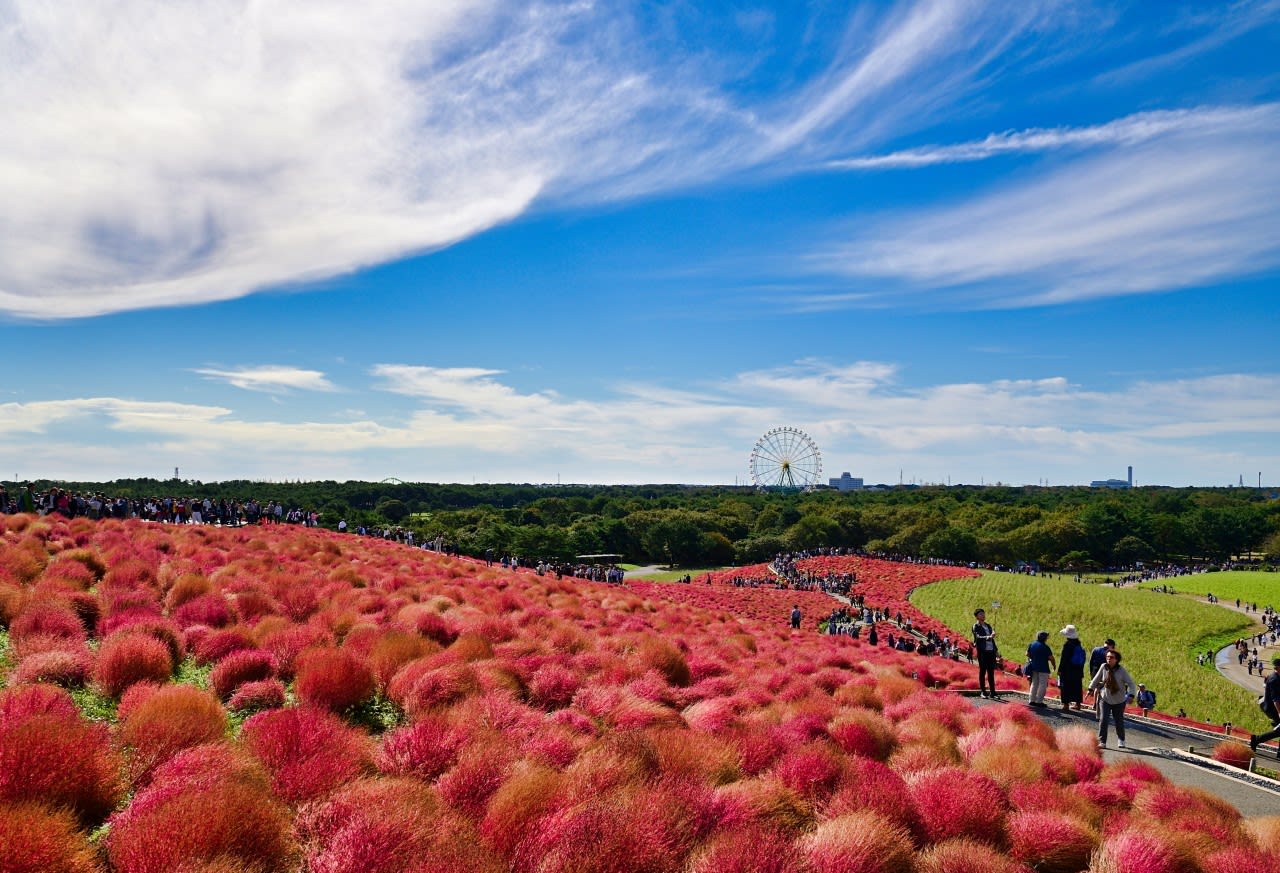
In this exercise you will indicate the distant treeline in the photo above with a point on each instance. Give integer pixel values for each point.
(1061, 528)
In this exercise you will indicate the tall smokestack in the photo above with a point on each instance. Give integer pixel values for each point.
(1131, 475)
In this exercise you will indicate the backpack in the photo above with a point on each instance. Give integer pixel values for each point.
(1077, 656)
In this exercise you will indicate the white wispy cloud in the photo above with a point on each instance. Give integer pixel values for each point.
(162, 155)
(1191, 207)
(1128, 131)
(456, 421)
(271, 379)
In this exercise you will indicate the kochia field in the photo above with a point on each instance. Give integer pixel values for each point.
(200, 699)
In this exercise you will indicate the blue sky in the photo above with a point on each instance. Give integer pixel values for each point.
(617, 242)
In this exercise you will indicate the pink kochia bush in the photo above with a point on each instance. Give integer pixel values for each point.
(526, 724)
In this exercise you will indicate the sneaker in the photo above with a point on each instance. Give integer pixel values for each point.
(1121, 744)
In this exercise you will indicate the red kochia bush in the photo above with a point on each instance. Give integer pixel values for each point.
(954, 802)
(610, 832)
(309, 752)
(811, 770)
(28, 700)
(869, 784)
(333, 679)
(287, 643)
(1233, 753)
(553, 686)
(207, 803)
(966, 856)
(434, 627)
(748, 849)
(60, 760)
(860, 842)
(210, 610)
(168, 720)
(246, 665)
(217, 644)
(1134, 851)
(49, 617)
(126, 658)
(254, 696)
(68, 669)
(152, 625)
(1049, 841)
(383, 825)
(38, 839)
(424, 749)
(392, 650)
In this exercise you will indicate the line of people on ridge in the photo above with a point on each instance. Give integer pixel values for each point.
(1111, 686)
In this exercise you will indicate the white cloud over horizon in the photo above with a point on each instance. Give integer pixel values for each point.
(465, 419)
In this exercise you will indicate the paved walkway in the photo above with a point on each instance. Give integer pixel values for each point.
(1228, 662)
(1165, 746)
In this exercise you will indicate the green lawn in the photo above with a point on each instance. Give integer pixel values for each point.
(1158, 634)
(1252, 586)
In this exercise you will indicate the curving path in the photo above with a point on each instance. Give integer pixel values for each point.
(1227, 661)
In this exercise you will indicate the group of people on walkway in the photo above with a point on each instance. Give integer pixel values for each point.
(1110, 687)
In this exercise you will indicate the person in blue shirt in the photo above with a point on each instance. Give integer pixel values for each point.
(1041, 663)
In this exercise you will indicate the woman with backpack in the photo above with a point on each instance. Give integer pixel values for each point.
(1071, 669)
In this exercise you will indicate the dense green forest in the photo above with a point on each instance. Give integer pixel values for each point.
(1061, 528)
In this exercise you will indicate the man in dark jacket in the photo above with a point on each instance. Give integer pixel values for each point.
(1270, 705)
(984, 642)
(1098, 656)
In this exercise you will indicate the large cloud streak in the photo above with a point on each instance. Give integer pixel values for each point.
(1197, 203)
(161, 154)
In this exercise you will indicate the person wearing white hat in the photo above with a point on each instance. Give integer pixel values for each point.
(1071, 665)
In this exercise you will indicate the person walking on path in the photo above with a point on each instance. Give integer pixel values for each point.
(1113, 685)
(1270, 705)
(1146, 699)
(1071, 665)
(984, 641)
(1098, 656)
(1041, 663)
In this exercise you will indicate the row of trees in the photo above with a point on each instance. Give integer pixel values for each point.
(1063, 528)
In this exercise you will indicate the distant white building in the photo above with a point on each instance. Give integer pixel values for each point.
(1114, 483)
(846, 483)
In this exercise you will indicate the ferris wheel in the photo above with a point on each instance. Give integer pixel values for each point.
(785, 457)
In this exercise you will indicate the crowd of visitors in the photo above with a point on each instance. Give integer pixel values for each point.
(228, 512)
(1110, 687)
